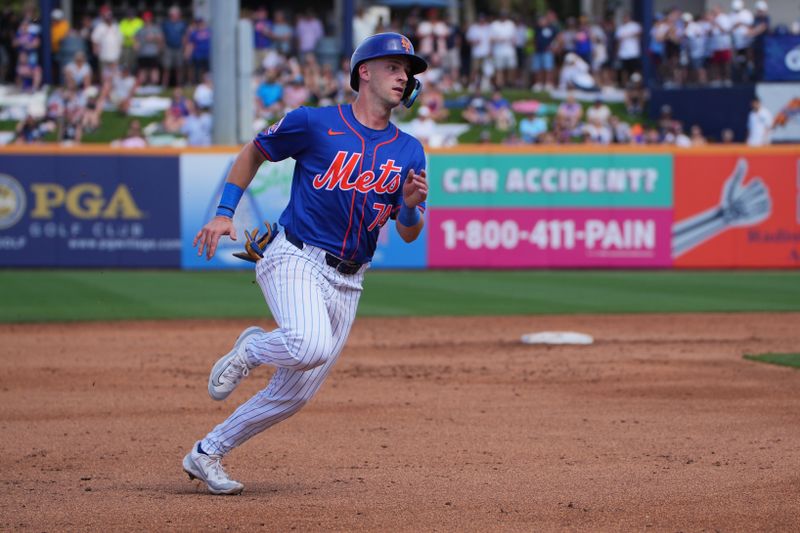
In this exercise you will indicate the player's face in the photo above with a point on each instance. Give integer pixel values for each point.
(388, 78)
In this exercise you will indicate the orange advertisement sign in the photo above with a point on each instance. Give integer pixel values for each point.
(736, 210)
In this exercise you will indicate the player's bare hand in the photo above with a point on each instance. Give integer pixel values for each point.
(208, 237)
(415, 188)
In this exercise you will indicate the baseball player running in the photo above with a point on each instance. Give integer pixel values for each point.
(354, 171)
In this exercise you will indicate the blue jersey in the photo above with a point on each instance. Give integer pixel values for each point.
(348, 179)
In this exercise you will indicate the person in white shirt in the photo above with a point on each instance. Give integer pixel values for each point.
(432, 34)
(120, 88)
(504, 52)
(595, 133)
(107, 41)
(78, 73)
(694, 43)
(197, 127)
(598, 112)
(759, 125)
(629, 49)
(597, 130)
(204, 92)
(575, 74)
(424, 127)
(479, 36)
(363, 26)
(722, 46)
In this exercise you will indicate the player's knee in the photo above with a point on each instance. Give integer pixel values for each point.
(296, 404)
(310, 351)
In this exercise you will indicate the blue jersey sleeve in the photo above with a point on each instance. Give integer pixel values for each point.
(417, 164)
(286, 138)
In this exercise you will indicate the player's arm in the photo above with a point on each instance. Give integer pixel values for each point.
(239, 177)
(409, 219)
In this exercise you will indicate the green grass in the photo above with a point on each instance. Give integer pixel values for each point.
(115, 126)
(66, 295)
(112, 126)
(512, 95)
(783, 359)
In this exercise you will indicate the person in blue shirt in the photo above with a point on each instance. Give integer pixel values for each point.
(268, 96)
(531, 127)
(198, 49)
(262, 36)
(354, 172)
(543, 60)
(174, 29)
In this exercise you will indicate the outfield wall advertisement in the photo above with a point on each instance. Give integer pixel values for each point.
(698, 208)
(557, 210)
(202, 178)
(89, 211)
(737, 210)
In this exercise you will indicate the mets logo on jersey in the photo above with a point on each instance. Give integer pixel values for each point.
(406, 44)
(338, 176)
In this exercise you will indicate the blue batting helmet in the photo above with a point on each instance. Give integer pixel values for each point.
(384, 45)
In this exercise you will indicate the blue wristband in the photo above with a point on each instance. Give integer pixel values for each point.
(408, 216)
(231, 194)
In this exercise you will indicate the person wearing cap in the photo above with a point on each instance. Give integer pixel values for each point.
(354, 171)
(477, 110)
(149, 43)
(424, 127)
(107, 41)
(576, 74)
(58, 30)
(742, 26)
(635, 94)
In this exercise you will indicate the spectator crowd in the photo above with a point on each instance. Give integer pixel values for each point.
(103, 62)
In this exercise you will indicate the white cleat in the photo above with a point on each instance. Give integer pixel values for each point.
(231, 368)
(209, 469)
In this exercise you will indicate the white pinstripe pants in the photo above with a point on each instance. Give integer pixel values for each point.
(314, 306)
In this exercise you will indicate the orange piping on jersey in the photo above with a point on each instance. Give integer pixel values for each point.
(364, 203)
(360, 165)
(262, 150)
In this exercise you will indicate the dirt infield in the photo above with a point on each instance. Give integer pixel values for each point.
(425, 425)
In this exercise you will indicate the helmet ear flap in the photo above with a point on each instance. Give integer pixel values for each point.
(413, 87)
